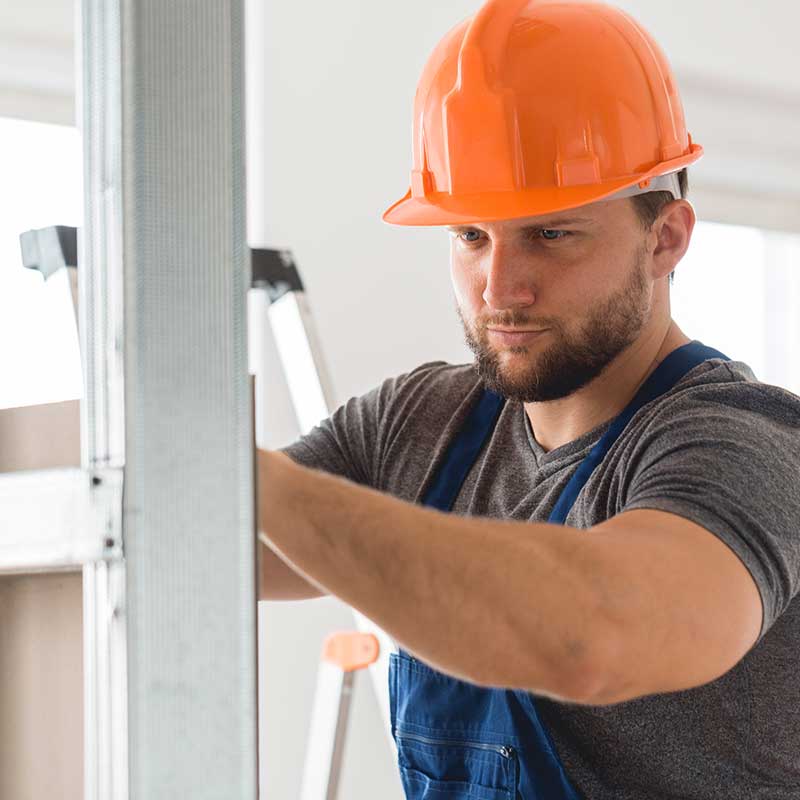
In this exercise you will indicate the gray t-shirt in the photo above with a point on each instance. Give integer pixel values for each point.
(720, 449)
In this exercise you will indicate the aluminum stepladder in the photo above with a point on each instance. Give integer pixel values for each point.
(344, 653)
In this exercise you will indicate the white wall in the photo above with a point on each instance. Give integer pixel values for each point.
(330, 130)
(330, 149)
(736, 64)
(330, 88)
(36, 59)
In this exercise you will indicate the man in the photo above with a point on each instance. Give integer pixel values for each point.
(609, 609)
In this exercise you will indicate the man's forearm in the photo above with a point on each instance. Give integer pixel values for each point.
(494, 602)
(278, 581)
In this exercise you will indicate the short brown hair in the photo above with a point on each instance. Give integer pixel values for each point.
(649, 205)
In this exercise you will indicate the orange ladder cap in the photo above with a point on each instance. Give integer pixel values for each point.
(351, 650)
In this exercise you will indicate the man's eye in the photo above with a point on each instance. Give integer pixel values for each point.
(547, 234)
(552, 235)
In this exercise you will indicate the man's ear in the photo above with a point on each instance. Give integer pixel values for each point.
(673, 230)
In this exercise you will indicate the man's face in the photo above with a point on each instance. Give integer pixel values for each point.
(578, 279)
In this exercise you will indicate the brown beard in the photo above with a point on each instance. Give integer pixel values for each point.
(571, 361)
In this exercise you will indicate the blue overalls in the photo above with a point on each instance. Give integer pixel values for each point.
(460, 741)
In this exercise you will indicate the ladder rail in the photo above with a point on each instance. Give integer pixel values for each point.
(313, 398)
(344, 654)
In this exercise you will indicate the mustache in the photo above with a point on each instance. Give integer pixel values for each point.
(507, 319)
(516, 321)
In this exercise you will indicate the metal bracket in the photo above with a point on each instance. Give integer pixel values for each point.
(49, 249)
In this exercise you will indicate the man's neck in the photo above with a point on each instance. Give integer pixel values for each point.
(559, 422)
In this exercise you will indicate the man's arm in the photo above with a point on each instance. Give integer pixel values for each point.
(278, 581)
(645, 603)
(487, 601)
(683, 608)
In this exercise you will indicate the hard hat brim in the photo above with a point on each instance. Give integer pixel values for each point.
(441, 208)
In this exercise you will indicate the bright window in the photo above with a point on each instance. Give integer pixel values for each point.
(42, 186)
(738, 290)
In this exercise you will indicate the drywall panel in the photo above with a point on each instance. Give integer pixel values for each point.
(41, 686)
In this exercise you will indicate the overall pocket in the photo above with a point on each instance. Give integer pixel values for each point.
(436, 768)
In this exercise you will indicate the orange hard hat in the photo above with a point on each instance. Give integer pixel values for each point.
(535, 106)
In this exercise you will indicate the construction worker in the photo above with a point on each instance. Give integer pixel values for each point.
(608, 608)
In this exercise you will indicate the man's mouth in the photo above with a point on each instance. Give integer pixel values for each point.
(514, 335)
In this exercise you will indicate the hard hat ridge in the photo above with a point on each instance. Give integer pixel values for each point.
(492, 160)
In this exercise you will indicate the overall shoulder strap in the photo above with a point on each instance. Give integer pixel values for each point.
(677, 364)
(463, 451)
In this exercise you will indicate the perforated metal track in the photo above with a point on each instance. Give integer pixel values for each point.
(184, 271)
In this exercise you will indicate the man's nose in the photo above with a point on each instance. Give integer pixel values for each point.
(508, 281)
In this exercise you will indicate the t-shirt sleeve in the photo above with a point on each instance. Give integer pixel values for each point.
(732, 466)
(345, 443)
(352, 441)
